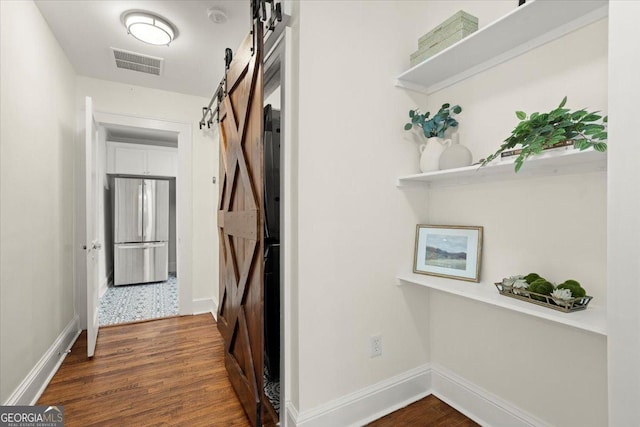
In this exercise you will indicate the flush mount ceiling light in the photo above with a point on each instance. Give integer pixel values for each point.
(149, 28)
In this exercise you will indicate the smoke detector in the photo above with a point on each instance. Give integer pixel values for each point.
(217, 16)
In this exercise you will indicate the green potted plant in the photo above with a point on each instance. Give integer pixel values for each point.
(433, 129)
(542, 131)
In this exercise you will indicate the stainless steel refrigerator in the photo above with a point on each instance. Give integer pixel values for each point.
(141, 231)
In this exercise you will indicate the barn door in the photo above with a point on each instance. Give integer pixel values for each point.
(240, 223)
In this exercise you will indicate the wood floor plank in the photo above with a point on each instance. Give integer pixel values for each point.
(170, 372)
(427, 412)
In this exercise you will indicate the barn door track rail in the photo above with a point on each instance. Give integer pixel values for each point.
(270, 13)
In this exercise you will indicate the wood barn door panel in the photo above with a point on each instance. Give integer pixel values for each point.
(240, 224)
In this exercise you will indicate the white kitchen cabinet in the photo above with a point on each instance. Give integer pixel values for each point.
(138, 159)
(162, 162)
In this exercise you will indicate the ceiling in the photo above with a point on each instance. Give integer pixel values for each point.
(193, 63)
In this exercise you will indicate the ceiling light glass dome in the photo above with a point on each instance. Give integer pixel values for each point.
(149, 28)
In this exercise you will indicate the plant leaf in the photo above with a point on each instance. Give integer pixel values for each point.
(412, 113)
(591, 117)
(457, 109)
(564, 101)
(600, 136)
(408, 126)
(578, 114)
(445, 106)
(521, 115)
(600, 146)
(519, 161)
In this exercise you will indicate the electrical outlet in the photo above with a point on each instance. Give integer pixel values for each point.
(375, 343)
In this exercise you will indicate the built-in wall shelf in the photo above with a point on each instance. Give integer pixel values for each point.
(593, 319)
(525, 28)
(567, 162)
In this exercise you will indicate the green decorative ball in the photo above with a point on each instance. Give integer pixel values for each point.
(577, 291)
(532, 277)
(541, 286)
(572, 282)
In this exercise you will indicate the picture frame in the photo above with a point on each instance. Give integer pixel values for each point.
(450, 251)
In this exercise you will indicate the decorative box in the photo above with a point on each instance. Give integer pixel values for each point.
(451, 31)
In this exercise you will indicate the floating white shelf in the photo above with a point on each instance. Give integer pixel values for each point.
(593, 319)
(525, 28)
(565, 162)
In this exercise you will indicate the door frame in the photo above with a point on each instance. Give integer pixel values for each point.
(281, 54)
(184, 203)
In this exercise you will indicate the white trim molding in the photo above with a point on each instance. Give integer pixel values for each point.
(205, 305)
(184, 194)
(32, 387)
(480, 405)
(378, 400)
(367, 404)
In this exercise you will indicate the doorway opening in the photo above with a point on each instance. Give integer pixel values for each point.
(274, 229)
(156, 130)
(138, 169)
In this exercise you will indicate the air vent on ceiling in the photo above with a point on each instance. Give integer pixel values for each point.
(137, 62)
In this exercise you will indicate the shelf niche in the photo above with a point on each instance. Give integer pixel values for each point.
(593, 319)
(531, 25)
(567, 162)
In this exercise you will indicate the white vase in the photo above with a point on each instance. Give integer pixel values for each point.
(455, 155)
(431, 151)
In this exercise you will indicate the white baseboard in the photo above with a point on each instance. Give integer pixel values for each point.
(368, 404)
(290, 415)
(31, 388)
(205, 305)
(380, 399)
(480, 405)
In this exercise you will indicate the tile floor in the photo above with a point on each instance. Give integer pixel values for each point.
(121, 304)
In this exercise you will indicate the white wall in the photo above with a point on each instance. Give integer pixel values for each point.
(623, 219)
(355, 229)
(36, 209)
(553, 226)
(118, 98)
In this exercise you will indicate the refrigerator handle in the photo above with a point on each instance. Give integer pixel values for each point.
(140, 203)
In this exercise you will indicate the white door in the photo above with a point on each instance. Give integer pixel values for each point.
(92, 244)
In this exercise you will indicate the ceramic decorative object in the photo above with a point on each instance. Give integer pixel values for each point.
(455, 155)
(431, 151)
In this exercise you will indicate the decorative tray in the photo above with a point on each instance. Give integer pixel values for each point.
(567, 306)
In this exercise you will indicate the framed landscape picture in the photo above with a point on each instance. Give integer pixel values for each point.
(448, 251)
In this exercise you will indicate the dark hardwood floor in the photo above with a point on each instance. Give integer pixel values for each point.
(167, 372)
(170, 372)
(427, 412)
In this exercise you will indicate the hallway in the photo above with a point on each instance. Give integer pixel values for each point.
(163, 372)
(171, 372)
